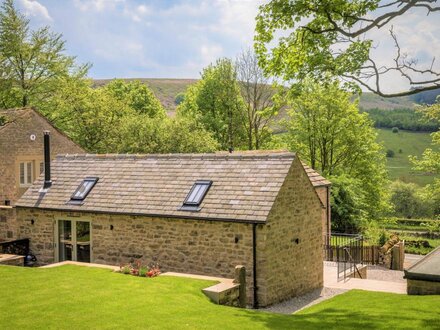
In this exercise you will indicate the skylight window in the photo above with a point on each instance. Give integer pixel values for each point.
(196, 195)
(84, 188)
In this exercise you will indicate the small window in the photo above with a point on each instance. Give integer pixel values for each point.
(26, 174)
(84, 188)
(41, 167)
(196, 195)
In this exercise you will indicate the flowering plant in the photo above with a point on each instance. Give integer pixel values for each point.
(137, 269)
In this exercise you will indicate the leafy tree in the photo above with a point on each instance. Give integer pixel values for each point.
(31, 61)
(216, 103)
(318, 38)
(430, 160)
(348, 204)
(258, 95)
(407, 200)
(137, 96)
(329, 133)
(91, 117)
(165, 135)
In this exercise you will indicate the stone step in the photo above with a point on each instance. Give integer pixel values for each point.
(223, 293)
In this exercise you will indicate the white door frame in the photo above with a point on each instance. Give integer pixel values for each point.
(73, 241)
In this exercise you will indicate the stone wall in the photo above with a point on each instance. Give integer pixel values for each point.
(16, 146)
(7, 223)
(418, 287)
(290, 244)
(188, 246)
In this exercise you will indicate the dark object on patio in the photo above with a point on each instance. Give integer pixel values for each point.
(30, 260)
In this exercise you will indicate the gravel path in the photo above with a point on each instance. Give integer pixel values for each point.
(298, 303)
(383, 274)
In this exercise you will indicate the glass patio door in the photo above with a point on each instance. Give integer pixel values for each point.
(73, 240)
(82, 241)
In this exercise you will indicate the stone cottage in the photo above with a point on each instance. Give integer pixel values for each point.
(21, 158)
(193, 213)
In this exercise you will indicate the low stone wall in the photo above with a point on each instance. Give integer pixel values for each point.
(230, 293)
(11, 260)
(419, 287)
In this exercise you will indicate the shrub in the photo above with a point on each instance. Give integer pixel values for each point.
(383, 237)
(143, 271)
(390, 153)
(126, 269)
(179, 98)
(395, 130)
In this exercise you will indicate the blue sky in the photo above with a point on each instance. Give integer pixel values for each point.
(124, 38)
(177, 38)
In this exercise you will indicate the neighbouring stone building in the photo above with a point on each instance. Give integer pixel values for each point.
(194, 213)
(423, 278)
(21, 158)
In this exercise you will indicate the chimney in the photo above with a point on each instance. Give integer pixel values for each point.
(47, 181)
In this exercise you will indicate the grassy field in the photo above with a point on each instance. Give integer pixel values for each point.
(404, 144)
(74, 297)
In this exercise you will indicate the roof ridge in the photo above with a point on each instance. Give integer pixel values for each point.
(268, 155)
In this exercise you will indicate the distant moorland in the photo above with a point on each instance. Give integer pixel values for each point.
(166, 91)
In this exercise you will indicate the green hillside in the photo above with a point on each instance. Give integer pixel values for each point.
(404, 144)
(167, 89)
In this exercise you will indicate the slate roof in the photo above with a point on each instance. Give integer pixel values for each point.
(244, 185)
(316, 179)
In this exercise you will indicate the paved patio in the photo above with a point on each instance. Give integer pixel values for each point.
(391, 285)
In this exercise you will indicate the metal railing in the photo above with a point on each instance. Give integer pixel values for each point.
(347, 250)
(334, 246)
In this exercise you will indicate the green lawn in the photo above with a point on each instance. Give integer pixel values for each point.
(409, 143)
(73, 297)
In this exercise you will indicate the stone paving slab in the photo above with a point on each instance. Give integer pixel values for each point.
(85, 264)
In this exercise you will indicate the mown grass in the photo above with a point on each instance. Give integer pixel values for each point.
(73, 297)
(404, 144)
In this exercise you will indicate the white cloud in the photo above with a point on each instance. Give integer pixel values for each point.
(209, 53)
(97, 5)
(137, 13)
(34, 8)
